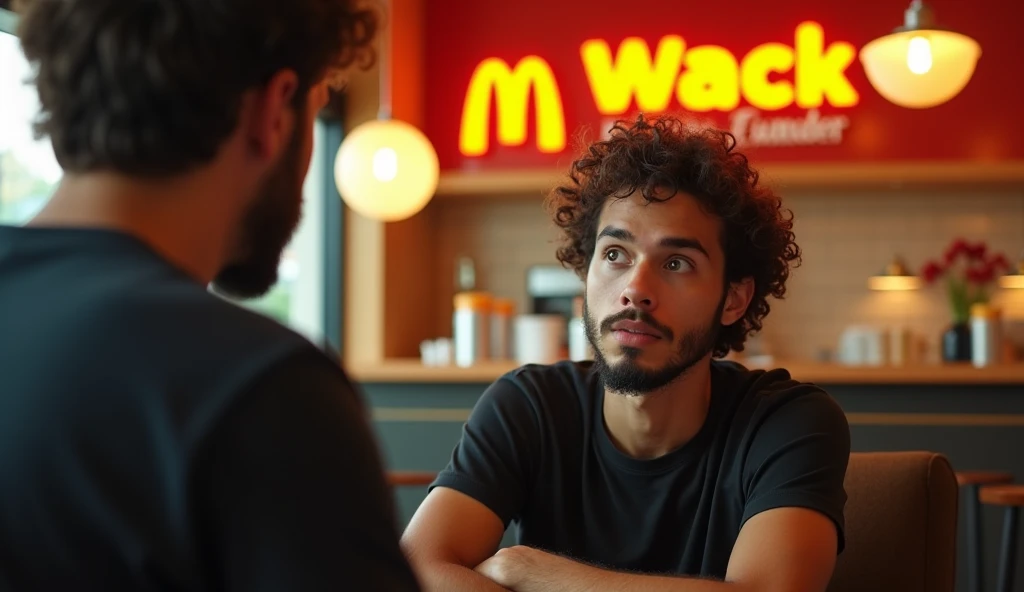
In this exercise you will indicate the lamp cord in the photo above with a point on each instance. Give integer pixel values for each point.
(384, 56)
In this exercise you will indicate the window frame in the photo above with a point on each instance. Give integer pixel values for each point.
(333, 236)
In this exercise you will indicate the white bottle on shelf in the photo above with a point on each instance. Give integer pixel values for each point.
(986, 337)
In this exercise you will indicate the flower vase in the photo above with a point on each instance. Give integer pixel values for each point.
(956, 343)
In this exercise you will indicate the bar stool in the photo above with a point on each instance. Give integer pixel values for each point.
(410, 478)
(1012, 498)
(972, 481)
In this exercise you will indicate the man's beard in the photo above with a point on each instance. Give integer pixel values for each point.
(628, 377)
(267, 227)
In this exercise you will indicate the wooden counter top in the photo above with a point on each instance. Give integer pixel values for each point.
(412, 371)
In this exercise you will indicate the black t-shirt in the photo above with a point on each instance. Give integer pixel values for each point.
(536, 452)
(154, 436)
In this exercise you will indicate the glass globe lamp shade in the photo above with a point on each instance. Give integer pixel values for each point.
(386, 170)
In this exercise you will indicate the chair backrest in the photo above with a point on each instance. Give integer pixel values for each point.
(901, 520)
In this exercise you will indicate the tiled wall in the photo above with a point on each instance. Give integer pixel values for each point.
(845, 239)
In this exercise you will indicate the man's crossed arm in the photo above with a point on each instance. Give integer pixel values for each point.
(452, 539)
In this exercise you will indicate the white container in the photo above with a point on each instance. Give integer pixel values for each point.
(579, 347)
(986, 337)
(538, 338)
(471, 327)
(863, 345)
(900, 346)
(501, 328)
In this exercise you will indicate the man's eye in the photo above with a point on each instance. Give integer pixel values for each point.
(678, 265)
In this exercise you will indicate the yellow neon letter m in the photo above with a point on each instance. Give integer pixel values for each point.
(511, 89)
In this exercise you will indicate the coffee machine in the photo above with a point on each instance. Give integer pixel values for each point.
(551, 289)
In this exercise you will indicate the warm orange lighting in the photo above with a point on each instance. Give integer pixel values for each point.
(895, 277)
(1012, 282)
(920, 69)
(1015, 280)
(892, 283)
(920, 64)
(511, 90)
(386, 170)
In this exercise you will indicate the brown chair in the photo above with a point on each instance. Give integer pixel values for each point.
(901, 521)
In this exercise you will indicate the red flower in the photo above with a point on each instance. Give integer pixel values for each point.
(955, 249)
(986, 274)
(977, 252)
(999, 262)
(931, 271)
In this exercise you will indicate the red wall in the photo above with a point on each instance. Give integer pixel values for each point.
(983, 123)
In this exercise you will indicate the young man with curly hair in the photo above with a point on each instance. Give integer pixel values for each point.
(657, 466)
(154, 436)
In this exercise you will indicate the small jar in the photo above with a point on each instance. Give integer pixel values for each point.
(502, 310)
(471, 327)
(986, 337)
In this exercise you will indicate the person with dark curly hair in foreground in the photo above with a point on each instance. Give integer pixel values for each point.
(657, 466)
(153, 435)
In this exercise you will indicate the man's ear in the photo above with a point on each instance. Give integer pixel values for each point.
(271, 116)
(737, 299)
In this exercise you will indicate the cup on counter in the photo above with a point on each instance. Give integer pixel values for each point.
(436, 352)
(863, 345)
(538, 338)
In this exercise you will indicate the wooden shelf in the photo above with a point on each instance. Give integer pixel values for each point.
(412, 371)
(527, 182)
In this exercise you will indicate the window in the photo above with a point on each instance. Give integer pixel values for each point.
(297, 299)
(28, 170)
(29, 173)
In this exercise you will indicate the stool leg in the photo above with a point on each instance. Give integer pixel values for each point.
(974, 568)
(1008, 555)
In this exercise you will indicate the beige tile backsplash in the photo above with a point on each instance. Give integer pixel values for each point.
(845, 238)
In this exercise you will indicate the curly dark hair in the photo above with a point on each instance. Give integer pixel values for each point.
(665, 154)
(153, 87)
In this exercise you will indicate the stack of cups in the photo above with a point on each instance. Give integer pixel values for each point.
(501, 328)
(471, 327)
(538, 338)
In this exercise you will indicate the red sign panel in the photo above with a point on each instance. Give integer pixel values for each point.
(518, 84)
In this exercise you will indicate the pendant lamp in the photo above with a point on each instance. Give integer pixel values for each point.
(920, 65)
(386, 169)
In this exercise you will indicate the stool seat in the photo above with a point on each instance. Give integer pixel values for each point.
(982, 477)
(409, 478)
(1002, 495)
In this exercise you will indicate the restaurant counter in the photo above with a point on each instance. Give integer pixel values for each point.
(413, 371)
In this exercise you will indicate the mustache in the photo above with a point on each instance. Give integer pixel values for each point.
(635, 314)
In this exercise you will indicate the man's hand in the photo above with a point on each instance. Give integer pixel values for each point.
(525, 569)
